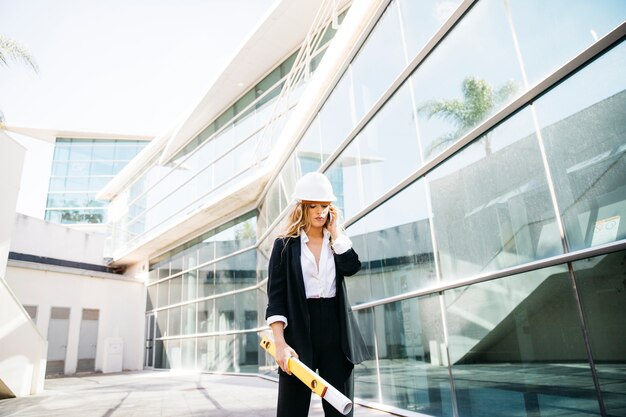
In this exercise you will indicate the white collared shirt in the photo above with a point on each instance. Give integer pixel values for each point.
(319, 280)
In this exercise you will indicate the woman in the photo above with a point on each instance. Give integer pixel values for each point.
(308, 310)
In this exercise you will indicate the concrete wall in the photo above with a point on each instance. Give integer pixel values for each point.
(11, 160)
(37, 237)
(121, 303)
(120, 299)
(22, 348)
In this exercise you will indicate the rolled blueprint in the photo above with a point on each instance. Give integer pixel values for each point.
(312, 380)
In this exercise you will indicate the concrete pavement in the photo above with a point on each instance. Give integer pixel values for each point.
(157, 393)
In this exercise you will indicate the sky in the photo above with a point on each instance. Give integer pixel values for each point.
(117, 66)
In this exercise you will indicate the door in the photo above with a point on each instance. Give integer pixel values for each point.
(58, 329)
(150, 331)
(88, 341)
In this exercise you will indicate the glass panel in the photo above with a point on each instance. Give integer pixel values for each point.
(206, 316)
(164, 270)
(127, 151)
(173, 321)
(516, 347)
(77, 184)
(421, 19)
(491, 203)
(382, 155)
(411, 352)
(57, 184)
(366, 381)
(225, 311)
(236, 272)
(59, 169)
(189, 319)
(602, 286)
(548, 37)
(80, 152)
(151, 298)
(249, 350)
(456, 89)
(160, 357)
(82, 216)
(206, 281)
(97, 183)
(100, 168)
(161, 323)
(163, 293)
(61, 153)
(190, 285)
(103, 152)
(584, 129)
(272, 202)
(176, 264)
(384, 44)
(336, 118)
(188, 349)
(172, 349)
(153, 275)
(217, 353)
(395, 248)
(176, 290)
(309, 150)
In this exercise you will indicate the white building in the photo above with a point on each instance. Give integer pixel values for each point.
(478, 148)
(90, 315)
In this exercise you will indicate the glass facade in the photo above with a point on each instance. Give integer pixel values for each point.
(80, 168)
(484, 191)
(224, 154)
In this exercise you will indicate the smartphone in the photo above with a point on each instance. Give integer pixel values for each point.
(329, 220)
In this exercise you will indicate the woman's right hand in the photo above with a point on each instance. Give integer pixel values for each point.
(283, 353)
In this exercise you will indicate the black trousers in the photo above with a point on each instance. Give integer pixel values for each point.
(329, 360)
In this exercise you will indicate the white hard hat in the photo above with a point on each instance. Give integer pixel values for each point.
(314, 186)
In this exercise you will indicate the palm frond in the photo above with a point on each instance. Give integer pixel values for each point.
(12, 50)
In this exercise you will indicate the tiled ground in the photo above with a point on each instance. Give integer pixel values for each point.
(156, 393)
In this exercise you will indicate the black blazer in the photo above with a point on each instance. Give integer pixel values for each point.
(287, 297)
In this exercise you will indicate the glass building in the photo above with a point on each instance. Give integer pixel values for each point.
(479, 149)
(80, 168)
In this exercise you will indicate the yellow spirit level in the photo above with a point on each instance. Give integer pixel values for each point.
(312, 380)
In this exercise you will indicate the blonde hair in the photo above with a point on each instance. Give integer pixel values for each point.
(298, 219)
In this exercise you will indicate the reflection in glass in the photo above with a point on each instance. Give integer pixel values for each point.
(460, 85)
(174, 356)
(553, 32)
(382, 155)
(584, 129)
(491, 204)
(384, 44)
(412, 356)
(516, 347)
(189, 319)
(188, 353)
(176, 289)
(309, 150)
(601, 283)
(206, 316)
(174, 321)
(395, 248)
(163, 294)
(421, 19)
(216, 353)
(236, 272)
(336, 117)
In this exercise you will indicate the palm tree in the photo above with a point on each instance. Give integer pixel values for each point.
(11, 50)
(479, 101)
